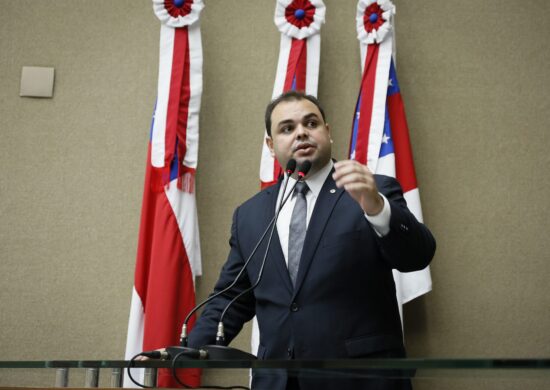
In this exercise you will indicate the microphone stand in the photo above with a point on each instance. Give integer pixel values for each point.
(220, 350)
(214, 351)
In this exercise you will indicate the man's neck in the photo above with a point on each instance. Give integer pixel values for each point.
(313, 173)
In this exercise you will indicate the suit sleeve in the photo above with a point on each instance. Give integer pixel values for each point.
(409, 245)
(204, 331)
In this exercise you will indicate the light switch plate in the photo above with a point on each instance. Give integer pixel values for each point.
(37, 81)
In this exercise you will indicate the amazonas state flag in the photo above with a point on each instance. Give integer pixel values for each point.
(395, 159)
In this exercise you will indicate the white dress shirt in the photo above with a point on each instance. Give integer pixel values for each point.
(380, 222)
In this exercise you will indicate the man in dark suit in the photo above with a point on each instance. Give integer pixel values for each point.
(331, 293)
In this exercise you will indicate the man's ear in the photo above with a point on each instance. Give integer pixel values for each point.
(269, 143)
(328, 131)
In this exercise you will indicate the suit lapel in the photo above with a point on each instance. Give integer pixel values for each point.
(326, 201)
(276, 252)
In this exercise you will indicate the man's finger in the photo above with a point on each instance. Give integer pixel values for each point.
(343, 172)
(353, 177)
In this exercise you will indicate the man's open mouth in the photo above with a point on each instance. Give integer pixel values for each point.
(304, 147)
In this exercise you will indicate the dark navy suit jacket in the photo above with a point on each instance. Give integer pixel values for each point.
(344, 303)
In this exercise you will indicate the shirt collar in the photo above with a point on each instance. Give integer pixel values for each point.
(316, 181)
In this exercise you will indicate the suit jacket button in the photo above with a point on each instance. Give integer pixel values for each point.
(294, 306)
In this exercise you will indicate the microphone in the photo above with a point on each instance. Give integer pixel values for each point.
(304, 169)
(290, 168)
(170, 353)
(157, 354)
(220, 336)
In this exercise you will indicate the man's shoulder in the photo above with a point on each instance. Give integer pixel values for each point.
(386, 183)
(260, 198)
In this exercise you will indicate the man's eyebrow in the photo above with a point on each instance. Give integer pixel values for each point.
(285, 122)
(305, 118)
(312, 115)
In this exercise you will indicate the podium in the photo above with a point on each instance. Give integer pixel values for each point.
(429, 373)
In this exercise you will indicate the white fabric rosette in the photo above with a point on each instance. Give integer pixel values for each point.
(294, 30)
(178, 13)
(381, 24)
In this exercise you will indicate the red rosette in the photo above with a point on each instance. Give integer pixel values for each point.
(299, 19)
(178, 13)
(374, 20)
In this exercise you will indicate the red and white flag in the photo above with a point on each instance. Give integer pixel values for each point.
(169, 258)
(299, 22)
(380, 135)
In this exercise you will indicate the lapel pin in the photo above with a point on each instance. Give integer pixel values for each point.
(332, 191)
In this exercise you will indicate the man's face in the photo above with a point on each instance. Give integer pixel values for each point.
(298, 131)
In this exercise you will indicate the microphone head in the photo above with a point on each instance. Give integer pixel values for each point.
(304, 169)
(290, 166)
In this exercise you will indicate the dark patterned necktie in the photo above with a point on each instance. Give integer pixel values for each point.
(297, 230)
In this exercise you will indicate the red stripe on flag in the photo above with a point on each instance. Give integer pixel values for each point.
(297, 49)
(178, 99)
(296, 68)
(277, 172)
(185, 96)
(163, 278)
(172, 109)
(367, 97)
(404, 164)
(301, 69)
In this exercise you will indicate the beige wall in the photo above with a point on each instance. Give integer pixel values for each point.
(475, 80)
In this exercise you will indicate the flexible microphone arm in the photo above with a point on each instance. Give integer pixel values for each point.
(290, 168)
(302, 172)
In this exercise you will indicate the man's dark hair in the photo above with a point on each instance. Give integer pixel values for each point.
(289, 96)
